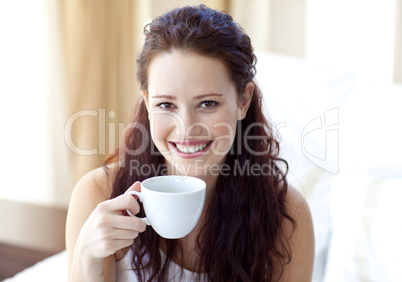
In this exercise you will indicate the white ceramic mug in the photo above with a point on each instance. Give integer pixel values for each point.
(173, 204)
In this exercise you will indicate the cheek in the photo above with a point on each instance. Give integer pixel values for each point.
(161, 126)
(224, 132)
(227, 123)
(224, 129)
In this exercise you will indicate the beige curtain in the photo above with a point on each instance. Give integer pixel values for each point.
(101, 39)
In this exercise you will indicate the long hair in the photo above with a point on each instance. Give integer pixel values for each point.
(243, 237)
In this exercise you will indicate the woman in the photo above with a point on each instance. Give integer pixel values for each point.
(200, 115)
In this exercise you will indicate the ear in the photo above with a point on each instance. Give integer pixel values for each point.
(245, 100)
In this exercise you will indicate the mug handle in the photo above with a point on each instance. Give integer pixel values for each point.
(144, 219)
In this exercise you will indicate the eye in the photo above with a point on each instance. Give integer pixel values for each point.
(208, 104)
(166, 105)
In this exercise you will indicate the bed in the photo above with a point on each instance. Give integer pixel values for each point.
(53, 268)
(340, 135)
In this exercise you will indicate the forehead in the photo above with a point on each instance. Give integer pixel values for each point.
(177, 72)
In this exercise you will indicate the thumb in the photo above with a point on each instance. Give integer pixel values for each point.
(135, 187)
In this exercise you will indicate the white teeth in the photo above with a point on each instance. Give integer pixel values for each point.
(191, 149)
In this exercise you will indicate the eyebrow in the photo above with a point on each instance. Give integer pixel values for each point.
(207, 95)
(194, 97)
(164, 97)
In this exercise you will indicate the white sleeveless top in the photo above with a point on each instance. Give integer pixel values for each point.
(125, 273)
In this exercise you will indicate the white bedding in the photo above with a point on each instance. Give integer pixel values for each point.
(51, 269)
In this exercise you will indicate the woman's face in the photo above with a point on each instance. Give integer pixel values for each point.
(193, 110)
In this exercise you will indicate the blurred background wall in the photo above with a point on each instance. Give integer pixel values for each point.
(67, 71)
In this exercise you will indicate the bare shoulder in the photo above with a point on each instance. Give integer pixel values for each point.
(97, 183)
(301, 238)
(297, 204)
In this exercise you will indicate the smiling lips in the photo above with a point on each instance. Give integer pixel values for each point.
(191, 148)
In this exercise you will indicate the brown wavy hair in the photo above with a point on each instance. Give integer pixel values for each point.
(243, 237)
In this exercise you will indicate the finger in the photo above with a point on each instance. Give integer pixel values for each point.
(124, 243)
(114, 245)
(124, 234)
(120, 203)
(129, 223)
(135, 187)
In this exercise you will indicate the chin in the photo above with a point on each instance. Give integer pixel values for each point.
(198, 168)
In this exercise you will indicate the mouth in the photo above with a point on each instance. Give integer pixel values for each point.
(191, 148)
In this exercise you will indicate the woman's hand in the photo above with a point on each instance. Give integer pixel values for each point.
(97, 227)
(108, 230)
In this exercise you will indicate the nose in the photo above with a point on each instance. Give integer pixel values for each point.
(192, 126)
(194, 130)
